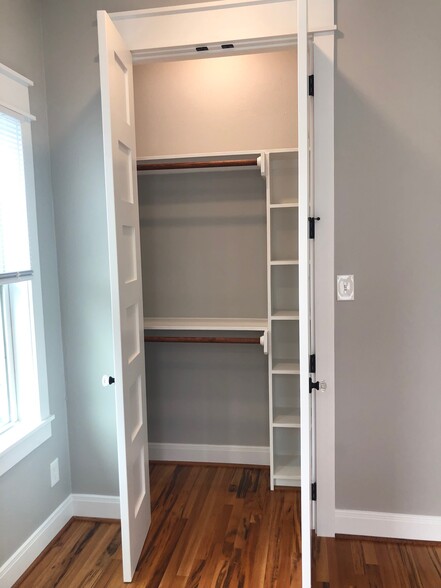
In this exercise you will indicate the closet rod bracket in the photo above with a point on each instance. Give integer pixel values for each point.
(264, 341)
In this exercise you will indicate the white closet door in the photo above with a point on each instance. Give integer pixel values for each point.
(304, 284)
(126, 289)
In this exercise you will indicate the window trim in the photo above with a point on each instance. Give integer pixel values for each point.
(21, 439)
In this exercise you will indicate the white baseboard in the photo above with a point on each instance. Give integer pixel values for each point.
(80, 505)
(19, 561)
(95, 506)
(385, 524)
(240, 454)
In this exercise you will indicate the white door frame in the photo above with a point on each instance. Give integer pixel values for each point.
(174, 32)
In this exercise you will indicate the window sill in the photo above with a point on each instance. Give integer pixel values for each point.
(20, 440)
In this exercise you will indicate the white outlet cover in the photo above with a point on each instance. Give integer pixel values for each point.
(55, 472)
(345, 287)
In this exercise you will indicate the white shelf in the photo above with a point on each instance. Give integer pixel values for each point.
(285, 262)
(285, 205)
(286, 417)
(287, 467)
(205, 324)
(285, 367)
(285, 315)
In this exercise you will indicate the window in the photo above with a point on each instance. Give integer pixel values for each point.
(24, 411)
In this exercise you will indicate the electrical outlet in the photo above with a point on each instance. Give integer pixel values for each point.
(345, 287)
(55, 472)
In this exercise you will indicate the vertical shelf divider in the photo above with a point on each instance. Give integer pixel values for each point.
(283, 323)
(267, 173)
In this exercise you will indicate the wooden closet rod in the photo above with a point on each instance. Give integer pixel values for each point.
(153, 166)
(233, 340)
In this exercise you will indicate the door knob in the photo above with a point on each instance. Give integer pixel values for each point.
(108, 380)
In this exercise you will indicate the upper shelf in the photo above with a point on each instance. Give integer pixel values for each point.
(205, 162)
(285, 205)
(205, 324)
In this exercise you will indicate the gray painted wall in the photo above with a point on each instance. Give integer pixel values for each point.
(203, 246)
(74, 110)
(26, 498)
(388, 233)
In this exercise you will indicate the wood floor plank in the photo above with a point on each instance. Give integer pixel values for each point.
(369, 553)
(320, 555)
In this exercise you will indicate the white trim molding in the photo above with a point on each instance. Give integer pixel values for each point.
(388, 524)
(26, 554)
(243, 455)
(174, 32)
(13, 75)
(75, 505)
(95, 506)
(20, 440)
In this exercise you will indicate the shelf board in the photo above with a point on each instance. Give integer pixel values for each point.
(205, 324)
(285, 367)
(287, 467)
(285, 205)
(286, 417)
(285, 262)
(285, 315)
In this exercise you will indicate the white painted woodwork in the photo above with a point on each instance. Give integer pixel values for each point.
(175, 31)
(285, 205)
(281, 172)
(285, 315)
(14, 93)
(126, 289)
(211, 23)
(304, 292)
(324, 297)
(285, 367)
(205, 324)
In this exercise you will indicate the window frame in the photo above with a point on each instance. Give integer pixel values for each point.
(20, 438)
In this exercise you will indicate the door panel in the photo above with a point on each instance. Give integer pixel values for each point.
(126, 289)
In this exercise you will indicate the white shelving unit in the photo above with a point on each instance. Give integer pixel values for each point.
(280, 330)
(281, 170)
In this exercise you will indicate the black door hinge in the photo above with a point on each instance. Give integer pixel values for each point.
(314, 491)
(312, 364)
(313, 385)
(311, 224)
(311, 85)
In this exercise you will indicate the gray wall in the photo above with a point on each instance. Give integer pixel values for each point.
(71, 50)
(74, 109)
(26, 498)
(203, 247)
(388, 233)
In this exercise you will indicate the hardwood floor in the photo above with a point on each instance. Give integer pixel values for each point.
(349, 562)
(220, 527)
(211, 527)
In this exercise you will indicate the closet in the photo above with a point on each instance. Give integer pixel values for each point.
(219, 250)
(224, 234)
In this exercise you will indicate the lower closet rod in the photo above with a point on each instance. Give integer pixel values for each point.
(234, 340)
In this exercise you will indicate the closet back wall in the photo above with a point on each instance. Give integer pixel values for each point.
(203, 237)
(216, 105)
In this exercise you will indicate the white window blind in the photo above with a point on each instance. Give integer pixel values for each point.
(15, 260)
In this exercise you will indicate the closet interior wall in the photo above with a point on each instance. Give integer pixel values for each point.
(204, 237)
